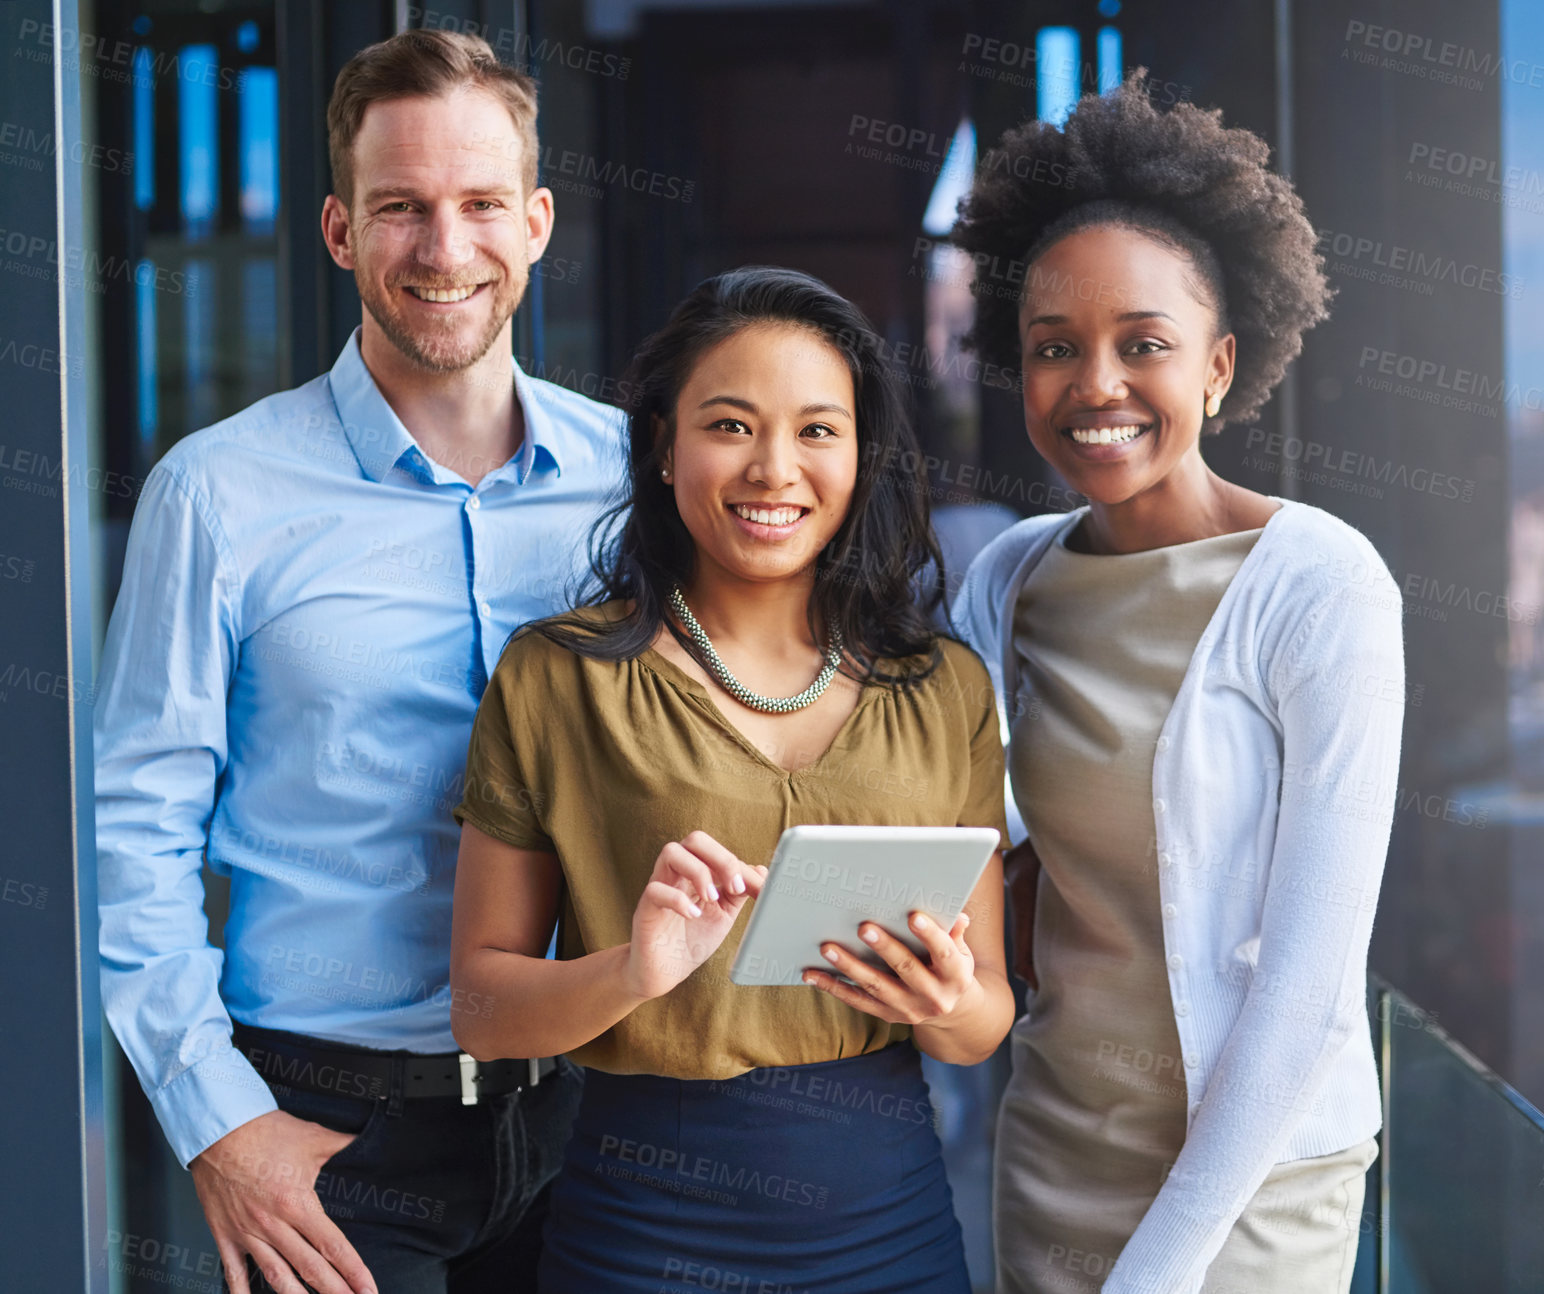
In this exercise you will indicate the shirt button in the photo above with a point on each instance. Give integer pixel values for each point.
(474, 503)
(1176, 961)
(1191, 1060)
(486, 608)
(1194, 1110)
(1159, 806)
(1182, 1008)
(1169, 910)
(1163, 743)
(1164, 860)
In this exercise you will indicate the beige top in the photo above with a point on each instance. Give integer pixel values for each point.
(1104, 642)
(603, 763)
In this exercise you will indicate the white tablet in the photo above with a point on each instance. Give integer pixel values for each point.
(824, 880)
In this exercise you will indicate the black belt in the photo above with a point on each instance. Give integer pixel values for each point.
(287, 1060)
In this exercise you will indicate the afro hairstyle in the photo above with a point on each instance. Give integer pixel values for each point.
(1183, 178)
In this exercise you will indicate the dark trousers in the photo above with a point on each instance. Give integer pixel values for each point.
(440, 1197)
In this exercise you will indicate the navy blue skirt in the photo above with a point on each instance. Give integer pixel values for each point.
(808, 1178)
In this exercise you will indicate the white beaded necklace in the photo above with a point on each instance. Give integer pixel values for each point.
(738, 690)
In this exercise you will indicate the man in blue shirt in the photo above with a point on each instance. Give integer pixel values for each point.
(315, 593)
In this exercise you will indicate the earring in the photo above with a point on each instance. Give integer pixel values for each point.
(1213, 403)
(664, 473)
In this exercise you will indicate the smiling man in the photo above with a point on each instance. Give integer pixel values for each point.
(315, 594)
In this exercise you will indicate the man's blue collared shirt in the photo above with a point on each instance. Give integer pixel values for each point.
(310, 610)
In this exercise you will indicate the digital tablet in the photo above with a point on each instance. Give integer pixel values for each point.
(823, 881)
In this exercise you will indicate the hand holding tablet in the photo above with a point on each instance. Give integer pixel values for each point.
(827, 881)
(906, 989)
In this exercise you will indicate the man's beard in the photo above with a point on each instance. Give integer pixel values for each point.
(440, 349)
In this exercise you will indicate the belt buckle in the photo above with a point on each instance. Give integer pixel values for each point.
(533, 1068)
(471, 1076)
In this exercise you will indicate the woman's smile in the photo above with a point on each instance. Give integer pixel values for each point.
(1106, 442)
(764, 459)
(769, 521)
(1114, 390)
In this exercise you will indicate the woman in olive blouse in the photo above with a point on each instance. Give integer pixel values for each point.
(631, 768)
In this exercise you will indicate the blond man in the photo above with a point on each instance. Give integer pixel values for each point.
(315, 593)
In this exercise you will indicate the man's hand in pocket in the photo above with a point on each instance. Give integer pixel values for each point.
(257, 1186)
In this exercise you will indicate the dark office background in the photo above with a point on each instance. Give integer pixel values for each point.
(681, 139)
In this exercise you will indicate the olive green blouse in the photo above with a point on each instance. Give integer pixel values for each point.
(604, 762)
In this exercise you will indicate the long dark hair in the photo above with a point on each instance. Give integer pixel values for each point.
(881, 575)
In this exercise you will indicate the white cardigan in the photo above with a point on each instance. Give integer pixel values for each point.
(1274, 784)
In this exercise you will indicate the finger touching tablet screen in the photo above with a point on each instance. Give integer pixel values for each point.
(824, 880)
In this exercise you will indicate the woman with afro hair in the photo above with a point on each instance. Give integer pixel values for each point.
(1205, 692)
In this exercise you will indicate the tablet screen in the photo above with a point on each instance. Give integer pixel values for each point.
(825, 880)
